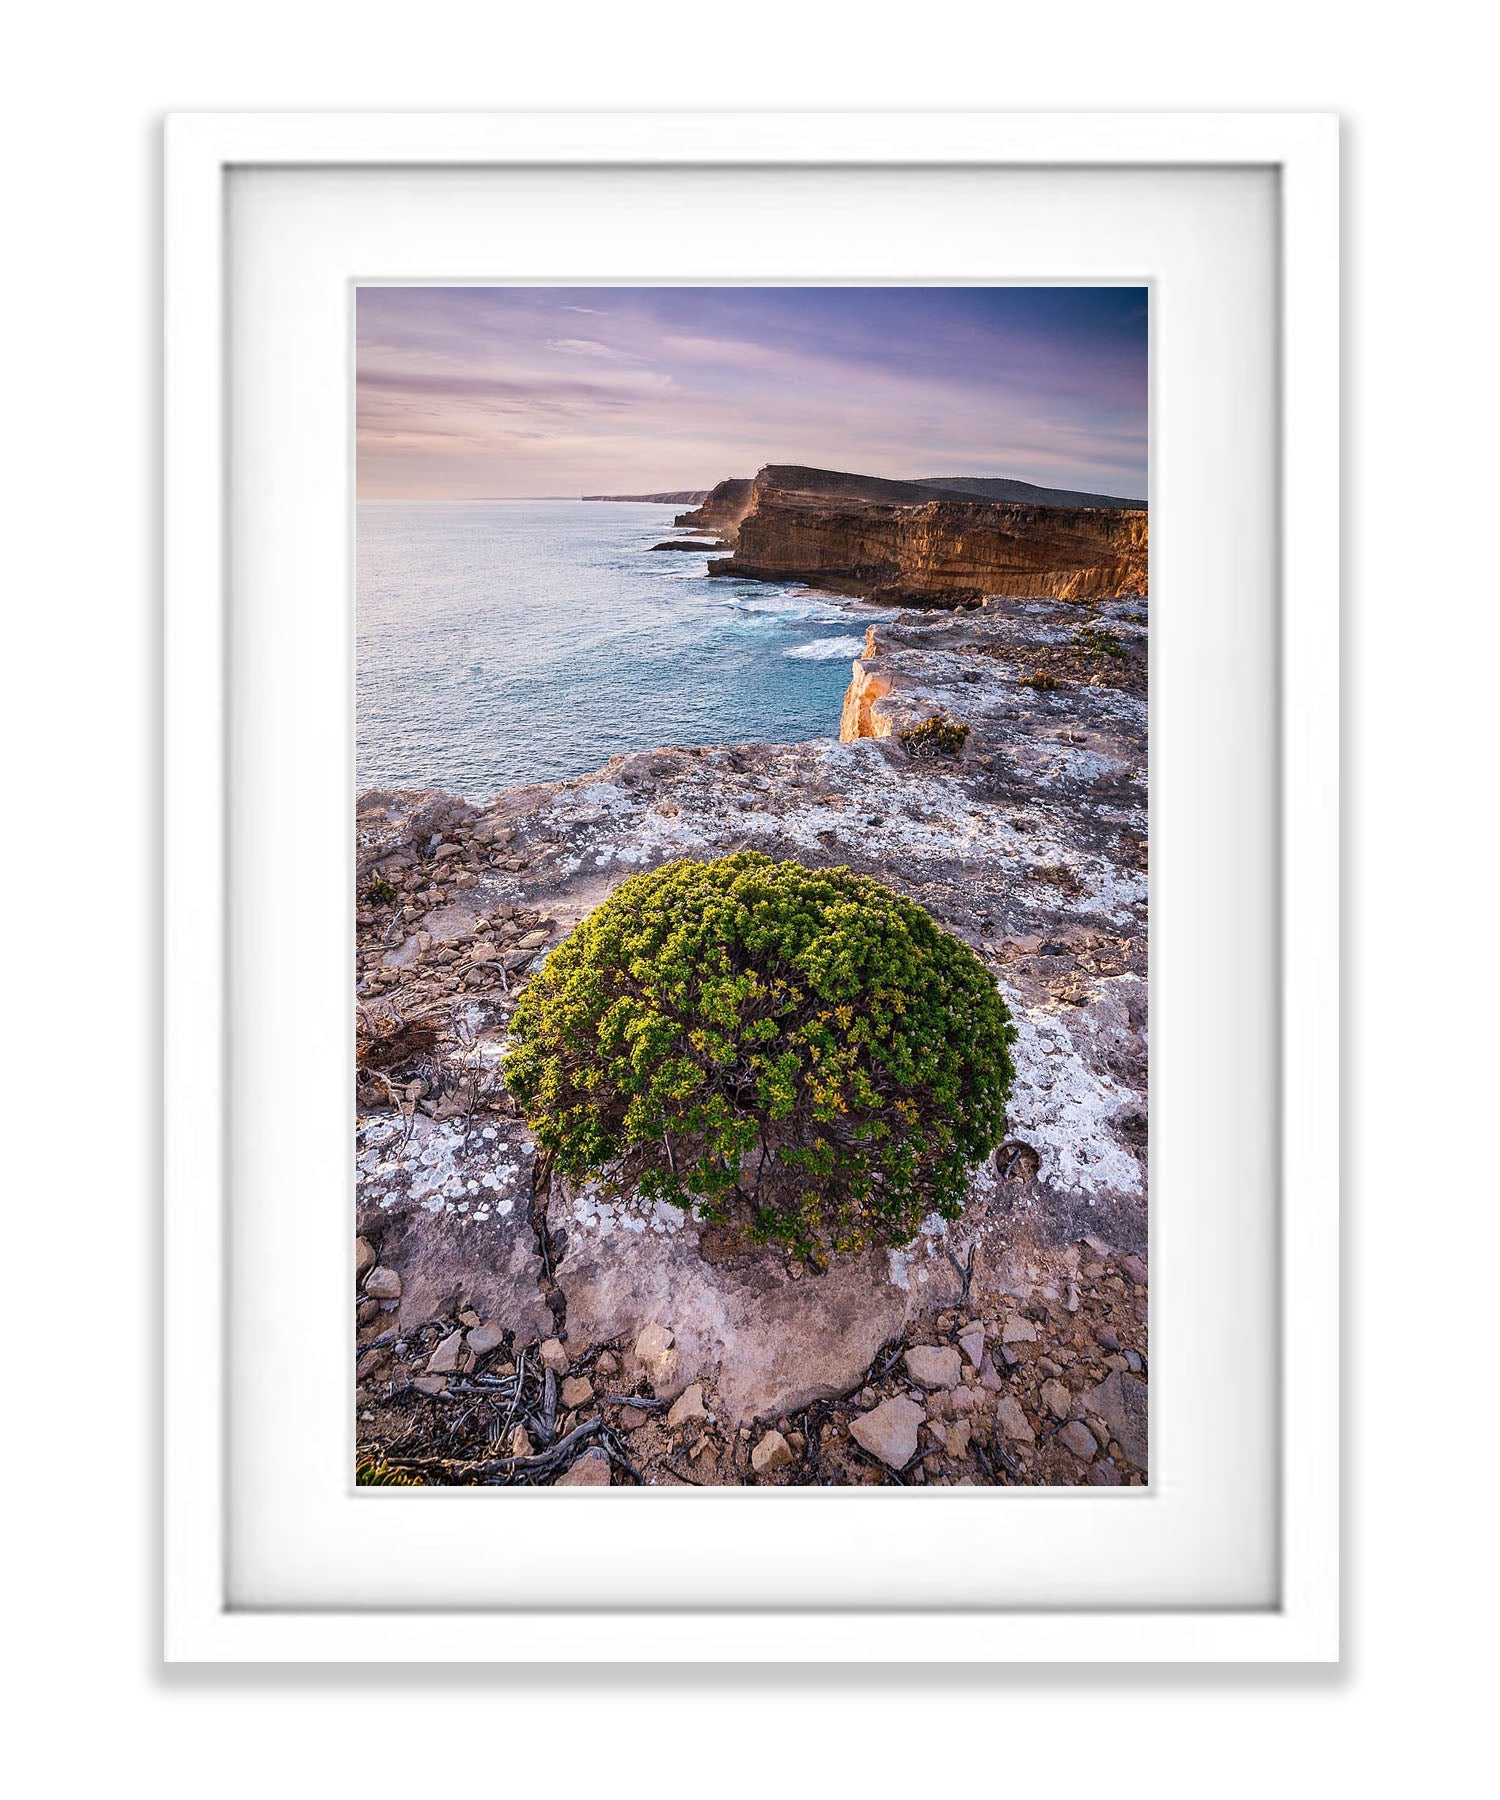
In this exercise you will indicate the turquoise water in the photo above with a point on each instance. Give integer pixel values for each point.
(511, 641)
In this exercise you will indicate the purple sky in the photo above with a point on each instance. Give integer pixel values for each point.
(465, 393)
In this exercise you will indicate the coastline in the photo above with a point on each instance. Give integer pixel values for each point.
(1030, 844)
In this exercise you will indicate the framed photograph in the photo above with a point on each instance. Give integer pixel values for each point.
(692, 642)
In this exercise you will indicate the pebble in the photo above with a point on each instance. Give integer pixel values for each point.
(1017, 1330)
(652, 1342)
(687, 1408)
(554, 1357)
(890, 1431)
(971, 1342)
(444, 1360)
(591, 1470)
(1013, 1421)
(520, 1442)
(1079, 1439)
(1057, 1399)
(486, 1335)
(608, 1363)
(577, 1391)
(384, 1284)
(364, 1256)
(933, 1366)
(632, 1418)
(771, 1453)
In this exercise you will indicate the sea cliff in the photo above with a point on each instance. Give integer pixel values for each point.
(677, 1352)
(914, 544)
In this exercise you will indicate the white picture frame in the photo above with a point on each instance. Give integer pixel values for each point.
(203, 1622)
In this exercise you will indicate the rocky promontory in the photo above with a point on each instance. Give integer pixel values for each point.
(913, 543)
(513, 1327)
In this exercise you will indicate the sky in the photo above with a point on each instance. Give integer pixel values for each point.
(501, 393)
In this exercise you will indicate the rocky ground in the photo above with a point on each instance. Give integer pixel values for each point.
(512, 1328)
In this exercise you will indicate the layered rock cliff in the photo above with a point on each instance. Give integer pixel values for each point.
(905, 542)
(1021, 1328)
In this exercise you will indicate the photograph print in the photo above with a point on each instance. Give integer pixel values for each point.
(750, 987)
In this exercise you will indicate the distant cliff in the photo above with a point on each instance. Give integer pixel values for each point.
(671, 497)
(899, 541)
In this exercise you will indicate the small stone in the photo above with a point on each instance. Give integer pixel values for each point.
(591, 1470)
(532, 940)
(520, 1442)
(971, 1342)
(933, 1366)
(1103, 1474)
(989, 1377)
(554, 1357)
(1108, 1340)
(431, 1384)
(384, 1284)
(1133, 1268)
(890, 1431)
(1120, 1401)
(1057, 1399)
(687, 1408)
(444, 1360)
(486, 1335)
(771, 1453)
(367, 1311)
(1017, 1330)
(1013, 1421)
(577, 1391)
(653, 1342)
(1079, 1439)
(632, 1418)
(468, 1318)
(364, 1257)
(608, 1363)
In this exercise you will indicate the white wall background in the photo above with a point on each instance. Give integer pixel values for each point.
(84, 89)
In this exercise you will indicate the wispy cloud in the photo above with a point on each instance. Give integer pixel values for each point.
(465, 392)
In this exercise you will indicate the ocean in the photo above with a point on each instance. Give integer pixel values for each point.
(501, 642)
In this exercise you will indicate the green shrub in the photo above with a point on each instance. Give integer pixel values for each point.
(799, 1051)
(941, 735)
(1099, 643)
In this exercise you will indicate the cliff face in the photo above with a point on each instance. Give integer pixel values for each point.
(1029, 844)
(722, 510)
(944, 552)
(916, 544)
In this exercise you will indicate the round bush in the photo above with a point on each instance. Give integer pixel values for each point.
(801, 1050)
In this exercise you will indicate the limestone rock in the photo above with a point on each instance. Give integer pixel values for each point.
(687, 1408)
(1078, 1438)
(1120, 1401)
(1057, 1399)
(591, 1470)
(1013, 1420)
(771, 1453)
(444, 1359)
(890, 1431)
(577, 1391)
(933, 1366)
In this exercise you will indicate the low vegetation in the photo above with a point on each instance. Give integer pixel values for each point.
(799, 1052)
(941, 735)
